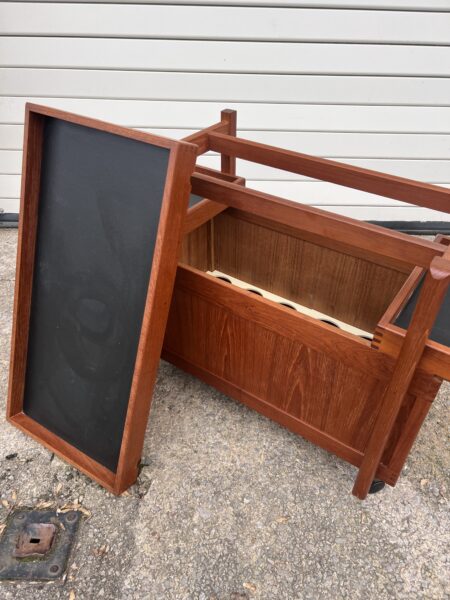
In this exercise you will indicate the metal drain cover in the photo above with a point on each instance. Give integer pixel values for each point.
(36, 544)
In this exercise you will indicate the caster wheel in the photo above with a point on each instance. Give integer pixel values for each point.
(377, 486)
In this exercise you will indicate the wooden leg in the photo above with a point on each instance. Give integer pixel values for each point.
(430, 300)
(228, 163)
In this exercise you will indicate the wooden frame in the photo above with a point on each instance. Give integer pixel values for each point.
(400, 371)
(176, 191)
(389, 337)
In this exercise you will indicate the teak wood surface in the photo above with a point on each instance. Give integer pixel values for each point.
(166, 252)
(363, 401)
(430, 300)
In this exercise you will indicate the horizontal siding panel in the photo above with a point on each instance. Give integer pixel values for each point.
(350, 145)
(10, 162)
(437, 171)
(9, 205)
(223, 23)
(315, 193)
(11, 136)
(224, 87)
(431, 5)
(9, 186)
(237, 57)
(291, 117)
(422, 170)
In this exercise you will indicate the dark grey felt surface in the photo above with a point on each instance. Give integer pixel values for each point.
(441, 329)
(99, 210)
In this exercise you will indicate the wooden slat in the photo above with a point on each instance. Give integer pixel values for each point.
(422, 170)
(237, 57)
(352, 145)
(421, 194)
(382, 242)
(223, 23)
(224, 87)
(320, 193)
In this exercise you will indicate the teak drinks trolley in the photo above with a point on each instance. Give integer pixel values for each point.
(360, 389)
(362, 399)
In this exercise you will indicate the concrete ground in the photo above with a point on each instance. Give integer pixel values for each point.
(230, 506)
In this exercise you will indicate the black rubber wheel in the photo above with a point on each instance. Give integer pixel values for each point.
(377, 486)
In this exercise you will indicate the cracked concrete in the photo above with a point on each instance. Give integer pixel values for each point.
(230, 506)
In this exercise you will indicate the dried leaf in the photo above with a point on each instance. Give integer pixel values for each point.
(283, 519)
(101, 551)
(72, 595)
(5, 503)
(58, 488)
(250, 586)
(44, 504)
(67, 508)
(14, 496)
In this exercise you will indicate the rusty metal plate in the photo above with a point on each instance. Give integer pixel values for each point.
(36, 544)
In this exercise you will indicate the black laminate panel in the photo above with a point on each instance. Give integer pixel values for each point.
(441, 329)
(99, 210)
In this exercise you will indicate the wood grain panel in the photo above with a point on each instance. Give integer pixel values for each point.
(353, 290)
(286, 374)
(196, 248)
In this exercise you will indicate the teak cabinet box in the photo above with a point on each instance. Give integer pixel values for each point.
(354, 391)
(319, 381)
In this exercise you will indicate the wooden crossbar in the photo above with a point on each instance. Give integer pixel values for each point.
(366, 180)
(375, 239)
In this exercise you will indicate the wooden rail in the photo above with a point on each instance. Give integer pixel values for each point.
(377, 240)
(366, 180)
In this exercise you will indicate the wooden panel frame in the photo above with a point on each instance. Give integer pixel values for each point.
(339, 345)
(389, 337)
(206, 209)
(168, 244)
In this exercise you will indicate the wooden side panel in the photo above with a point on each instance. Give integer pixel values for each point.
(354, 290)
(309, 386)
(221, 336)
(196, 248)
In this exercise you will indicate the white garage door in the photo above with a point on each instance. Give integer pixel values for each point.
(366, 82)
